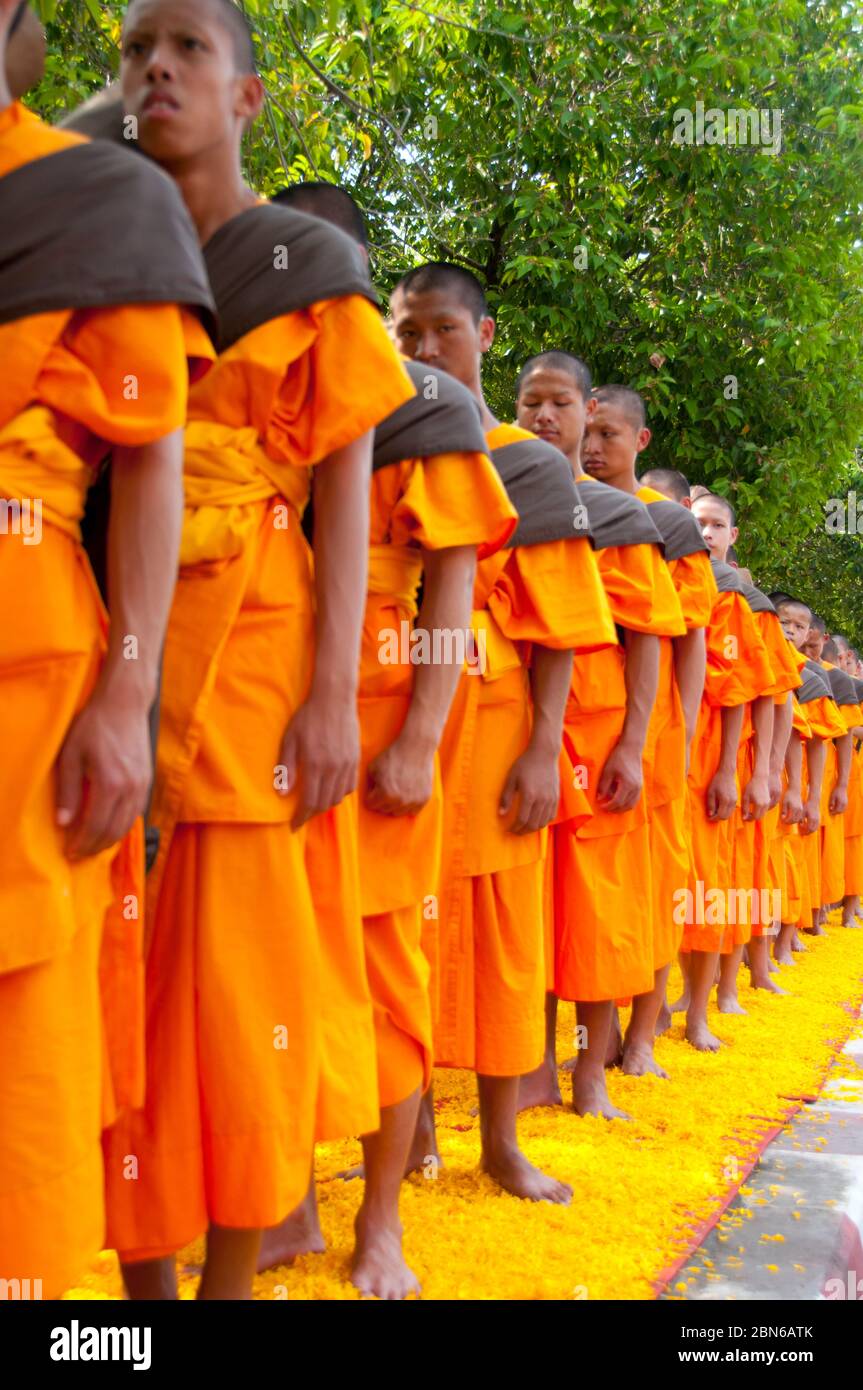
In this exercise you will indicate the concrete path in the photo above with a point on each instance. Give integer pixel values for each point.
(808, 1190)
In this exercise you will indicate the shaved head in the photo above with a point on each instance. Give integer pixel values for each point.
(668, 481)
(327, 201)
(451, 279)
(717, 498)
(625, 400)
(556, 360)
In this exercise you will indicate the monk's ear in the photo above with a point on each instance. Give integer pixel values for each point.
(687, 503)
(591, 407)
(643, 439)
(486, 332)
(25, 50)
(249, 101)
(735, 532)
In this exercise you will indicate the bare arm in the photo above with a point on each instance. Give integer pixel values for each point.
(622, 778)
(534, 778)
(722, 792)
(816, 752)
(792, 803)
(107, 748)
(783, 716)
(401, 778)
(321, 746)
(755, 800)
(690, 663)
(839, 794)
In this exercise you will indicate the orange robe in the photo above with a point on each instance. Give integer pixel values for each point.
(437, 502)
(487, 946)
(796, 902)
(750, 840)
(603, 893)
(854, 826)
(833, 826)
(825, 722)
(71, 989)
(665, 756)
(234, 971)
(769, 861)
(738, 669)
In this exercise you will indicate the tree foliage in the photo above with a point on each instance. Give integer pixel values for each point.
(534, 145)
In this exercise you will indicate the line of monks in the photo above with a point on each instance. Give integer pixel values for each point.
(361, 867)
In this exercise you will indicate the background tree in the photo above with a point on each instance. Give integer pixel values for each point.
(534, 145)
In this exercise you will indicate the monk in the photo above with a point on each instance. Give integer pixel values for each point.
(600, 945)
(259, 730)
(100, 266)
(435, 499)
(621, 423)
(823, 723)
(834, 653)
(535, 604)
(737, 672)
(761, 758)
(837, 771)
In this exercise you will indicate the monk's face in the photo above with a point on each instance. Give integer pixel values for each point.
(795, 620)
(611, 444)
(813, 644)
(715, 522)
(552, 406)
(433, 326)
(180, 79)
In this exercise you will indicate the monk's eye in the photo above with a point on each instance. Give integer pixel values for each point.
(191, 43)
(133, 48)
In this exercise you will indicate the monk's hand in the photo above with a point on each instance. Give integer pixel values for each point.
(533, 782)
(621, 779)
(104, 772)
(838, 801)
(775, 785)
(792, 808)
(756, 798)
(321, 751)
(721, 796)
(811, 818)
(401, 779)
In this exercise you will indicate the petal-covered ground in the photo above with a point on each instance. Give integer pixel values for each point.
(642, 1189)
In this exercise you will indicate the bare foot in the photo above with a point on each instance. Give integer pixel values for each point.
(729, 1004)
(570, 1064)
(682, 1004)
(772, 966)
(784, 956)
(663, 1023)
(797, 945)
(638, 1060)
(852, 924)
(701, 1037)
(378, 1269)
(299, 1234)
(515, 1174)
(768, 984)
(815, 930)
(540, 1087)
(590, 1097)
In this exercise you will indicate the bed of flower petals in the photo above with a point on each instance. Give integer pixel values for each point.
(641, 1189)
